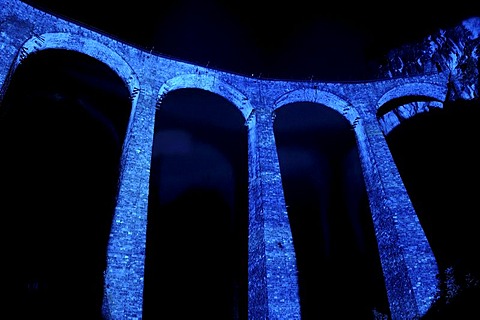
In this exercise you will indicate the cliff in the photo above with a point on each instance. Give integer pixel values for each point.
(455, 50)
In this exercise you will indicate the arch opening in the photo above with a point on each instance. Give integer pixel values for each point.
(197, 236)
(338, 263)
(61, 137)
(436, 158)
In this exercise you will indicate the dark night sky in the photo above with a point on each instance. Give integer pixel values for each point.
(300, 40)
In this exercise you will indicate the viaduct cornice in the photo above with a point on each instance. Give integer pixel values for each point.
(27, 30)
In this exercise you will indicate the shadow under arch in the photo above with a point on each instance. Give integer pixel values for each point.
(63, 119)
(87, 46)
(197, 236)
(208, 83)
(338, 263)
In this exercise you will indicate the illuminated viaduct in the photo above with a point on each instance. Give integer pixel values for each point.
(408, 264)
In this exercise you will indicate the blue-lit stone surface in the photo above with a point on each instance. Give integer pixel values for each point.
(372, 109)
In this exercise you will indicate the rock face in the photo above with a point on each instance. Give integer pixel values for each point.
(455, 50)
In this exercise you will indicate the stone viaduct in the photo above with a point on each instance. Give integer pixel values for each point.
(408, 264)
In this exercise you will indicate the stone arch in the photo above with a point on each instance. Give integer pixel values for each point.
(434, 156)
(323, 184)
(57, 118)
(209, 83)
(407, 100)
(86, 46)
(193, 171)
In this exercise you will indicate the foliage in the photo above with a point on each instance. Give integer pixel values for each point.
(458, 296)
